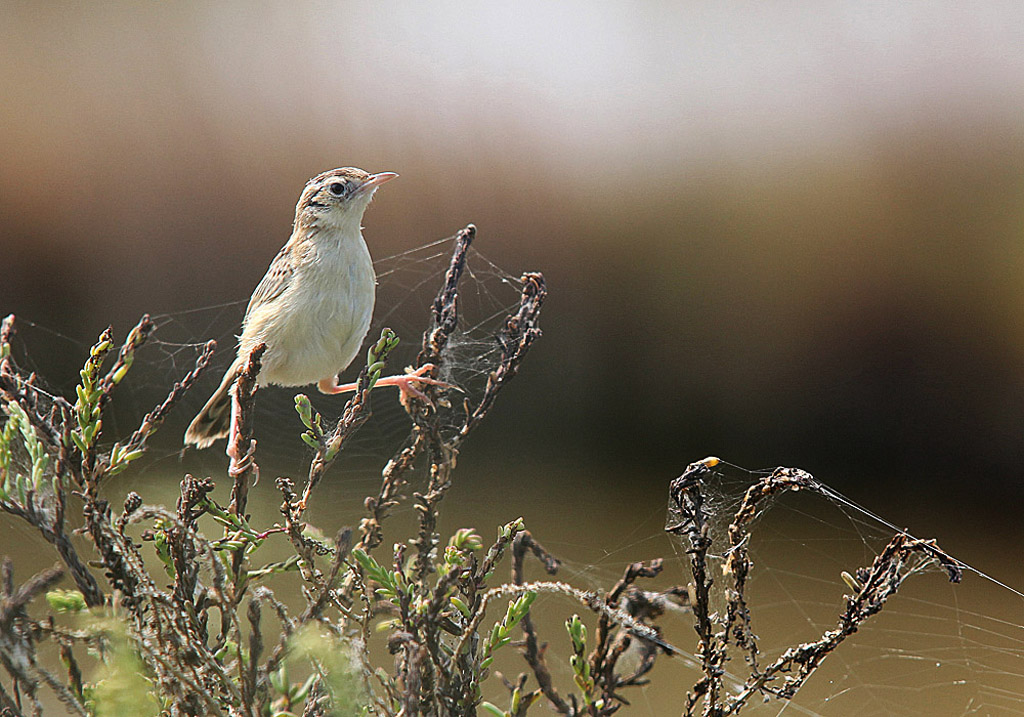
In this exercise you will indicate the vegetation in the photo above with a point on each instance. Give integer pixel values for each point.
(195, 628)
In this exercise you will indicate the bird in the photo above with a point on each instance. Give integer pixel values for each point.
(313, 307)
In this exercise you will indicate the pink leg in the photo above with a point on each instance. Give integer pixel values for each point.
(406, 384)
(232, 453)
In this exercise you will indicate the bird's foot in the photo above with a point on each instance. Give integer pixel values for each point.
(406, 383)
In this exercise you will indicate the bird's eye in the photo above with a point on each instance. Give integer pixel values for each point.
(337, 189)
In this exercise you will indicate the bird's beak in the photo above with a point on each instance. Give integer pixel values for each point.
(375, 180)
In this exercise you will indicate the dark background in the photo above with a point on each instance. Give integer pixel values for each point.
(780, 235)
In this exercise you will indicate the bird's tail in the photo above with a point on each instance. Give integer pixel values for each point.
(214, 421)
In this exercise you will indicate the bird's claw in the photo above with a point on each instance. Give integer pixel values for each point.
(407, 384)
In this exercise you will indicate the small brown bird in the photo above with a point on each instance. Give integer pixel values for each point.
(313, 307)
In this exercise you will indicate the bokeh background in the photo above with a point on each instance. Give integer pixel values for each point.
(783, 233)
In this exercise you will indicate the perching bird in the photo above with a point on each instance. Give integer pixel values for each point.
(313, 307)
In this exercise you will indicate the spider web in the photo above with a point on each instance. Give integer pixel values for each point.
(407, 284)
(936, 648)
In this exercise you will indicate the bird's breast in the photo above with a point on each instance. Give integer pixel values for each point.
(322, 318)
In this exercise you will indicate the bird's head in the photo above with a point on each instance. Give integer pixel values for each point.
(338, 197)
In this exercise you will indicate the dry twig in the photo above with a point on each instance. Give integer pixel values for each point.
(783, 677)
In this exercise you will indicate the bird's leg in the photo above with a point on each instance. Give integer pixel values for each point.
(406, 384)
(236, 411)
(232, 449)
(233, 429)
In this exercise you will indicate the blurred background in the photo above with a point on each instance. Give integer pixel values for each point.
(787, 233)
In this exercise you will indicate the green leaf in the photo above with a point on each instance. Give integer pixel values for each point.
(65, 601)
(279, 680)
(517, 696)
(460, 605)
(364, 559)
(304, 408)
(121, 372)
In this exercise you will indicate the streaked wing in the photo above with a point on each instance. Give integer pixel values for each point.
(275, 280)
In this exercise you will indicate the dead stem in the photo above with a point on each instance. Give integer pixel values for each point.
(783, 677)
(204, 650)
(533, 652)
